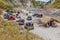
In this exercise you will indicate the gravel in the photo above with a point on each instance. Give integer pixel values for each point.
(46, 33)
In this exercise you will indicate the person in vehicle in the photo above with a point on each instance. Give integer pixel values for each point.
(29, 25)
(6, 16)
(29, 18)
(11, 17)
(17, 14)
(21, 22)
(9, 12)
(18, 18)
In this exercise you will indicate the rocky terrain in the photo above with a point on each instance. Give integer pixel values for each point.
(49, 33)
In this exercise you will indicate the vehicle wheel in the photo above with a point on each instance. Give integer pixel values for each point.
(54, 25)
(46, 25)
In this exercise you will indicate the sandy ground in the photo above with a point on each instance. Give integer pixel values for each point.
(46, 33)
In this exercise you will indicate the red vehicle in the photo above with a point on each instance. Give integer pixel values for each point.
(40, 15)
(11, 18)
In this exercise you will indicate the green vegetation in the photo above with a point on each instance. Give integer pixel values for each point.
(11, 1)
(38, 3)
(4, 5)
(35, 3)
(56, 4)
(23, 1)
(9, 31)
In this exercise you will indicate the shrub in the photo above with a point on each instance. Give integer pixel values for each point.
(9, 31)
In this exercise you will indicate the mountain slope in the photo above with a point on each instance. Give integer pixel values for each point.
(4, 5)
(56, 4)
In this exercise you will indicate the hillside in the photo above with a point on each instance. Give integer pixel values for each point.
(56, 4)
(9, 31)
(9, 4)
(4, 5)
